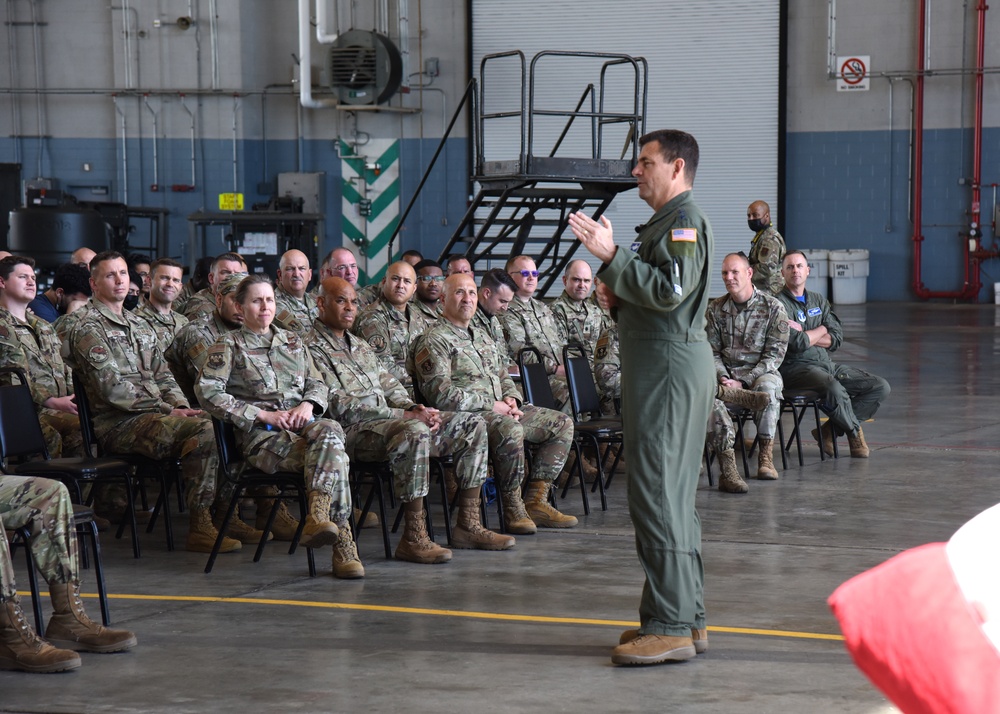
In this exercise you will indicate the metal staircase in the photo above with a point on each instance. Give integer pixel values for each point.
(522, 203)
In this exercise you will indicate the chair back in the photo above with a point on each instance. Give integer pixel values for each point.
(582, 390)
(534, 380)
(20, 433)
(86, 417)
(225, 441)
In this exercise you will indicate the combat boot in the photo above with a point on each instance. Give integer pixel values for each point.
(319, 530)
(22, 649)
(824, 437)
(415, 546)
(730, 480)
(765, 460)
(469, 532)
(346, 562)
(859, 447)
(285, 525)
(653, 649)
(755, 401)
(541, 511)
(450, 483)
(70, 628)
(699, 637)
(202, 534)
(514, 515)
(569, 474)
(371, 520)
(239, 530)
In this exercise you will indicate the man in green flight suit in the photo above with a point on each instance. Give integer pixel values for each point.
(658, 288)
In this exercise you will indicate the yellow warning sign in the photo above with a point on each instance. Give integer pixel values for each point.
(230, 201)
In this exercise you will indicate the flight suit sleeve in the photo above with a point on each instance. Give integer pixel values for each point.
(715, 340)
(210, 388)
(833, 327)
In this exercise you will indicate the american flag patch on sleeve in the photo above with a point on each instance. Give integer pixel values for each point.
(684, 235)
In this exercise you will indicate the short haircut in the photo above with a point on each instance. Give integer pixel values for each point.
(165, 262)
(72, 279)
(676, 144)
(101, 257)
(426, 263)
(134, 277)
(493, 279)
(8, 264)
(252, 279)
(741, 255)
(457, 256)
(199, 276)
(795, 252)
(512, 260)
(412, 254)
(137, 258)
(235, 257)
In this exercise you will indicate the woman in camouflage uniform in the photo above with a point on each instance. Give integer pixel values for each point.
(261, 379)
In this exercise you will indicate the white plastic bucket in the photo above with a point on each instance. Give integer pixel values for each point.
(849, 270)
(819, 272)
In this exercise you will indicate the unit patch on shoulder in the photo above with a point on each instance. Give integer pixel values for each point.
(215, 360)
(602, 352)
(377, 342)
(427, 366)
(98, 354)
(635, 245)
(4, 332)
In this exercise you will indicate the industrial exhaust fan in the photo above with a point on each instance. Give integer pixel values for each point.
(365, 67)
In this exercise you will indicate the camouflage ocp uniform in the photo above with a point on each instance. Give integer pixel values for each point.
(391, 333)
(608, 369)
(246, 373)
(64, 326)
(201, 304)
(767, 250)
(368, 294)
(188, 351)
(293, 313)
(369, 403)
(581, 321)
(166, 325)
(33, 346)
(132, 394)
(748, 344)
(43, 505)
(455, 371)
(530, 323)
(430, 312)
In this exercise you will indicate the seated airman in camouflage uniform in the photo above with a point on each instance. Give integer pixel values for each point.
(460, 369)
(45, 508)
(496, 290)
(391, 324)
(166, 278)
(381, 421)
(202, 303)
(29, 342)
(608, 369)
(748, 331)
(262, 379)
(344, 264)
(136, 403)
(581, 320)
(427, 299)
(529, 322)
(296, 309)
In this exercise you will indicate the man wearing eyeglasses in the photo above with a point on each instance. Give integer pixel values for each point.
(430, 279)
(529, 322)
(342, 263)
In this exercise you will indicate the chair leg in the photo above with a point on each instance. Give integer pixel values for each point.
(129, 518)
(743, 447)
(89, 529)
(237, 494)
(36, 600)
(781, 444)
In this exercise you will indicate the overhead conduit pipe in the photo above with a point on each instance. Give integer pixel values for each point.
(305, 54)
(973, 252)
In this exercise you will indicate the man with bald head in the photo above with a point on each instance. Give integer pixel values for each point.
(82, 257)
(393, 322)
(748, 331)
(344, 264)
(383, 423)
(202, 303)
(766, 249)
(459, 368)
(293, 309)
(581, 320)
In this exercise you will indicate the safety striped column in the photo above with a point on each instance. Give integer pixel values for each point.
(369, 235)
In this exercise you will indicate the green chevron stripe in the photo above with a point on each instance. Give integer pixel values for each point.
(387, 199)
(352, 232)
(387, 159)
(380, 241)
(350, 193)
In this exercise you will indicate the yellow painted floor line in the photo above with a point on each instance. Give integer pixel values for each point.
(455, 613)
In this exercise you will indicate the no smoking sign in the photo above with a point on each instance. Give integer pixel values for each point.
(853, 74)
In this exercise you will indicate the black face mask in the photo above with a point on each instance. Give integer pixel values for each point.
(757, 224)
(131, 302)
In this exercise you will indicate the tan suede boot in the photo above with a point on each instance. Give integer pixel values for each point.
(730, 480)
(319, 530)
(824, 437)
(415, 546)
(371, 520)
(754, 401)
(765, 460)
(346, 562)
(653, 649)
(699, 637)
(541, 511)
(202, 534)
(71, 629)
(22, 649)
(514, 515)
(469, 533)
(285, 524)
(239, 530)
(859, 447)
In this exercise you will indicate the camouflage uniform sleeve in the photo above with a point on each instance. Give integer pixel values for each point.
(515, 332)
(561, 319)
(12, 355)
(775, 344)
(170, 391)
(607, 371)
(715, 340)
(210, 388)
(433, 374)
(372, 328)
(315, 390)
(395, 393)
(768, 265)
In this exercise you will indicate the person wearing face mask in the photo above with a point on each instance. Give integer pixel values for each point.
(134, 290)
(766, 249)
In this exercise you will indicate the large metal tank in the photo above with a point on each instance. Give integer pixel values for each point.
(50, 234)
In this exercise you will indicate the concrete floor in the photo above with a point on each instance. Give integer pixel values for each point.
(265, 637)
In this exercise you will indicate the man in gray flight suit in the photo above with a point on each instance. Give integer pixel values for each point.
(659, 288)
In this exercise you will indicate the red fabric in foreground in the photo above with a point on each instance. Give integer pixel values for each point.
(911, 631)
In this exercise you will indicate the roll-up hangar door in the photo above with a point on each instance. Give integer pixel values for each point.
(713, 71)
